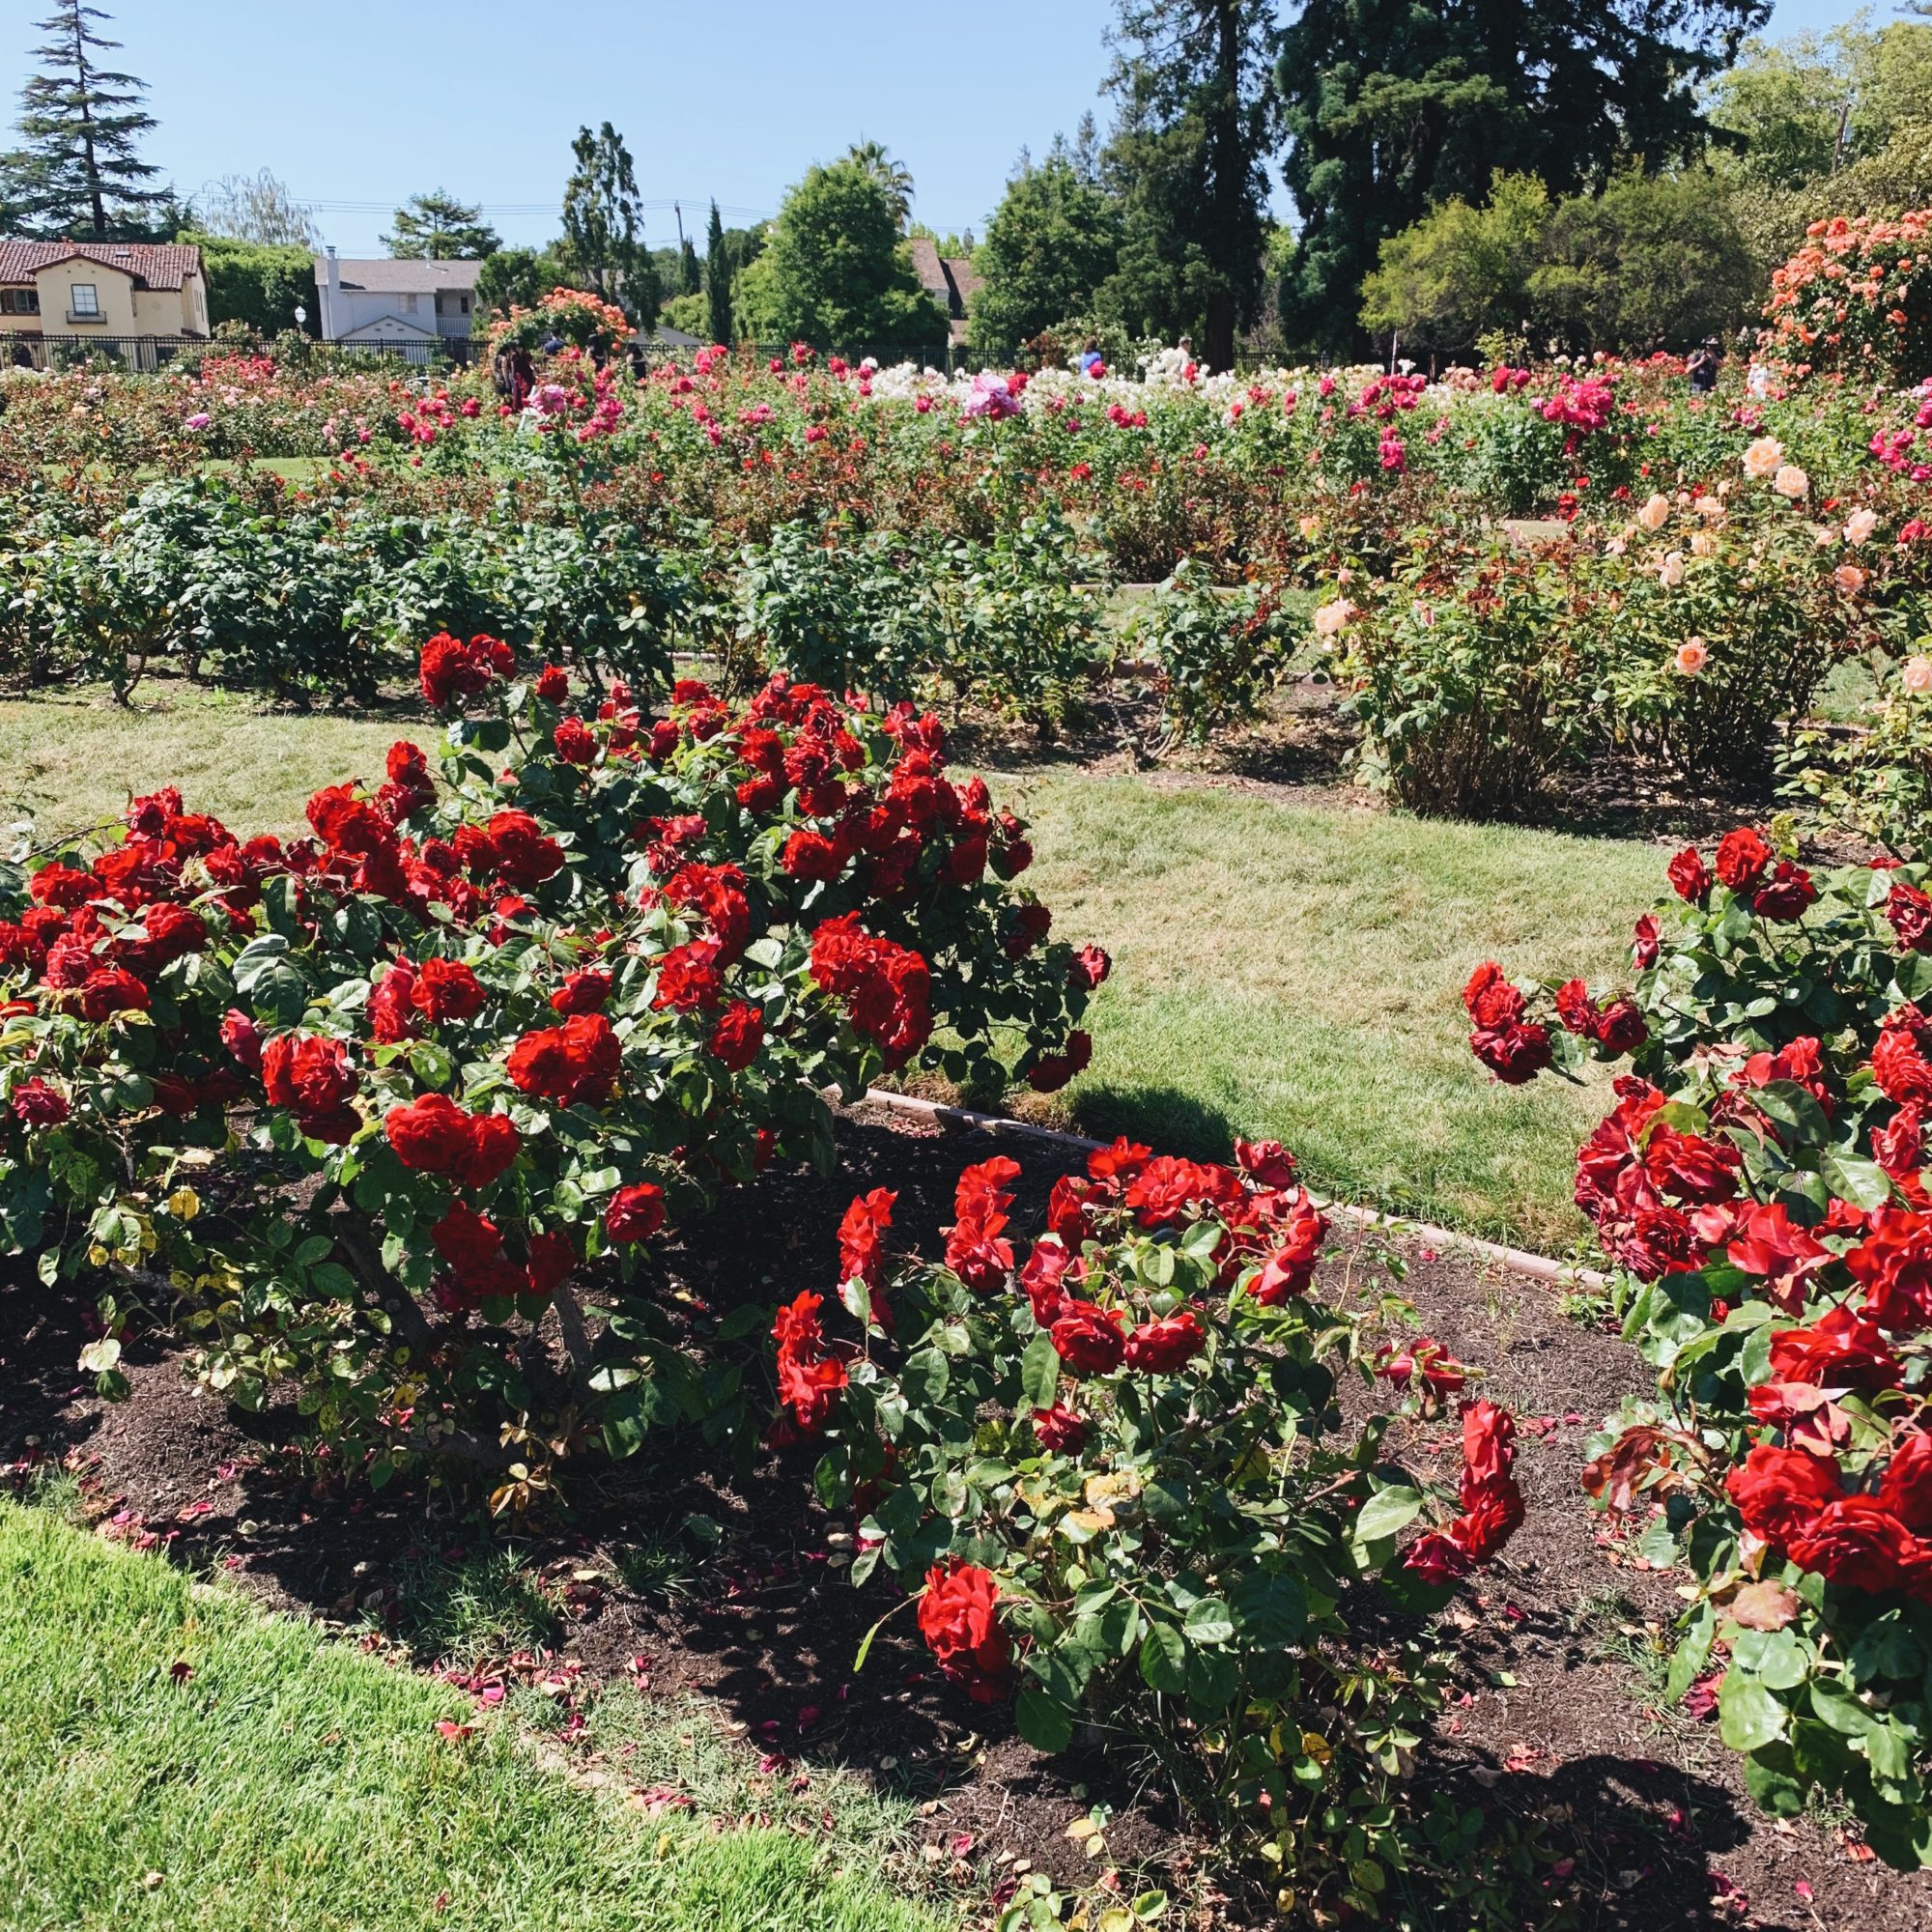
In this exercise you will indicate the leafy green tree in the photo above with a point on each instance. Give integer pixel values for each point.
(719, 273)
(79, 171)
(1199, 117)
(1655, 260)
(437, 227)
(258, 207)
(1394, 105)
(1053, 240)
(1461, 270)
(835, 272)
(690, 272)
(1786, 106)
(257, 283)
(519, 277)
(603, 225)
(895, 177)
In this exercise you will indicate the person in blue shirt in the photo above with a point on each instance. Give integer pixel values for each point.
(1090, 355)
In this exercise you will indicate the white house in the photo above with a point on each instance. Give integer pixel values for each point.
(411, 302)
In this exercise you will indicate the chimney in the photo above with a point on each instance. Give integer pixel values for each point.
(331, 294)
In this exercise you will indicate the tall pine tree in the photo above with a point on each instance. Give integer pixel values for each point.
(719, 270)
(78, 172)
(1199, 117)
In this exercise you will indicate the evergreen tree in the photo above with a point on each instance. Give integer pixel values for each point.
(1395, 105)
(603, 225)
(1199, 118)
(437, 227)
(1053, 240)
(718, 276)
(78, 171)
(836, 273)
(689, 275)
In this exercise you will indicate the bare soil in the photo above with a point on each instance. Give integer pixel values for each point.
(1557, 1718)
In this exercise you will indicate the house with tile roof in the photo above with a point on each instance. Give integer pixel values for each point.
(416, 304)
(949, 280)
(139, 299)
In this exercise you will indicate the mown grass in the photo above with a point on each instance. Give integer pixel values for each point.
(1279, 970)
(170, 1757)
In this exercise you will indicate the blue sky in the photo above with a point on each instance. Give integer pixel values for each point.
(358, 104)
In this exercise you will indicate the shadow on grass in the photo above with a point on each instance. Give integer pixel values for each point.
(1165, 1118)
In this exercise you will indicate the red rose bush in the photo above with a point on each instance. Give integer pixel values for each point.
(1760, 1185)
(391, 1112)
(1111, 1462)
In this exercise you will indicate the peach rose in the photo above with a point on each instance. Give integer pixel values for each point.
(1670, 574)
(1763, 457)
(1329, 618)
(1703, 543)
(1656, 513)
(1692, 656)
(1860, 525)
(1791, 481)
(1849, 578)
(1916, 676)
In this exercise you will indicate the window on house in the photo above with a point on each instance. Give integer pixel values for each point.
(19, 301)
(464, 301)
(86, 297)
(408, 304)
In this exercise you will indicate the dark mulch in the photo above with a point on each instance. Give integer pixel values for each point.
(1553, 1721)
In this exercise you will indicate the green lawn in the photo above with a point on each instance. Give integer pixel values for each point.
(1283, 971)
(287, 1780)
(1299, 973)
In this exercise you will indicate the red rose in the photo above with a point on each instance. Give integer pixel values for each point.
(1910, 912)
(689, 978)
(1088, 1339)
(1621, 1029)
(862, 1247)
(575, 743)
(553, 684)
(574, 1064)
(429, 1134)
(446, 989)
(1163, 1347)
(310, 1074)
(1769, 1243)
(1088, 968)
(1290, 1267)
(1690, 1167)
(1644, 947)
(471, 1246)
(1051, 1071)
(1689, 876)
(109, 990)
(1777, 1491)
(810, 1381)
(1787, 895)
(491, 1145)
(1858, 1542)
(1907, 1489)
(392, 1006)
(1059, 1431)
(1894, 1265)
(552, 1259)
(583, 991)
(38, 1105)
(522, 856)
(1489, 1000)
(1267, 1163)
(1839, 1350)
(958, 1619)
(634, 1214)
(243, 1037)
(1514, 1054)
(1030, 924)
(738, 1035)
(1742, 859)
(811, 855)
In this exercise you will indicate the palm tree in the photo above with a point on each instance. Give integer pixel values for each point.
(895, 177)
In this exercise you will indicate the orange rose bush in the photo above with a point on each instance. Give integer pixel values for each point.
(389, 1113)
(1113, 1463)
(1760, 1185)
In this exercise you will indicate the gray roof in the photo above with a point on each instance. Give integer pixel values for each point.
(389, 278)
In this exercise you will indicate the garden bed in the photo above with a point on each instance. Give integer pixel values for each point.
(1558, 1716)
